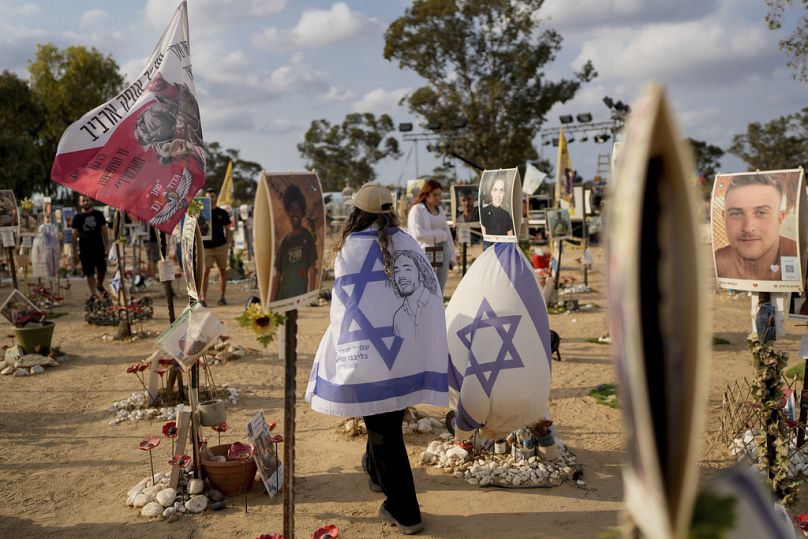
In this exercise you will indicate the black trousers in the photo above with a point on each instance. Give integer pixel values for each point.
(389, 466)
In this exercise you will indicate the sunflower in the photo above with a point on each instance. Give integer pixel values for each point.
(263, 323)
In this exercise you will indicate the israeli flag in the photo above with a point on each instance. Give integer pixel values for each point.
(499, 345)
(116, 282)
(385, 348)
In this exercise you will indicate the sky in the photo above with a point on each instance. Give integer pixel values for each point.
(264, 69)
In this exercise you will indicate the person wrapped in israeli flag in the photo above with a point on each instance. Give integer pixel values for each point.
(499, 345)
(385, 348)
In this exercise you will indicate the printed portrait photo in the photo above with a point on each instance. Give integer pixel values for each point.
(755, 230)
(559, 223)
(8, 210)
(498, 198)
(298, 228)
(465, 204)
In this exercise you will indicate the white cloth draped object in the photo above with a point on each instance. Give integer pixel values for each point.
(499, 345)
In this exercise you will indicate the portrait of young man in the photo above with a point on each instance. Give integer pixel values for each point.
(755, 209)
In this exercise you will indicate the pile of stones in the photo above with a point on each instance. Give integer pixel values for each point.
(745, 449)
(154, 498)
(223, 351)
(135, 407)
(17, 363)
(486, 469)
(415, 422)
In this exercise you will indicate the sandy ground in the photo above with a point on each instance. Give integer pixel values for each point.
(65, 471)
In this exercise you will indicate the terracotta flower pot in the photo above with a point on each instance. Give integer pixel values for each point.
(228, 477)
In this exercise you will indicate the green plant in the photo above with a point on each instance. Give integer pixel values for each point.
(719, 340)
(713, 516)
(797, 371)
(773, 442)
(605, 394)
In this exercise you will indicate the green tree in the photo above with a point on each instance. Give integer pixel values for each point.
(245, 173)
(21, 118)
(796, 44)
(345, 154)
(708, 162)
(780, 144)
(67, 84)
(483, 62)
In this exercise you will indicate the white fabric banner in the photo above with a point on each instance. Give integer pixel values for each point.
(385, 348)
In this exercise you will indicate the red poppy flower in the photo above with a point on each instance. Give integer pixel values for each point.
(166, 361)
(132, 368)
(181, 460)
(240, 451)
(329, 531)
(801, 520)
(271, 426)
(143, 366)
(221, 427)
(161, 372)
(468, 446)
(276, 438)
(270, 536)
(149, 443)
(170, 429)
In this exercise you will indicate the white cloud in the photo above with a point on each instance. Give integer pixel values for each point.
(282, 126)
(29, 9)
(710, 50)
(93, 17)
(316, 27)
(380, 101)
(565, 15)
(207, 16)
(227, 118)
(338, 95)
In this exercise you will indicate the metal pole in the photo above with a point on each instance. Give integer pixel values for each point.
(124, 325)
(465, 249)
(12, 268)
(289, 425)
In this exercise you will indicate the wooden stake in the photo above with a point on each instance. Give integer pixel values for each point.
(289, 402)
(183, 424)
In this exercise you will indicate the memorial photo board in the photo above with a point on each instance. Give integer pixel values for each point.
(466, 205)
(559, 223)
(289, 238)
(9, 218)
(755, 222)
(659, 319)
(500, 198)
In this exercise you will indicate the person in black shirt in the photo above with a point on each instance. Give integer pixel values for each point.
(216, 248)
(90, 244)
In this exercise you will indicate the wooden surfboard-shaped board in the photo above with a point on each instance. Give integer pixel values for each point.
(263, 238)
(659, 318)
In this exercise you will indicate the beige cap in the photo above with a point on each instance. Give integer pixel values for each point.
(374, 198)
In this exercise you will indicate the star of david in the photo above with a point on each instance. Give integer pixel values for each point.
(353, 314)
(507, 358)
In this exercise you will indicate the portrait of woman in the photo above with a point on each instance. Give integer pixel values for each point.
(496, 193)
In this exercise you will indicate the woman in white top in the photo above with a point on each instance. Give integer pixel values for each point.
(426, 222)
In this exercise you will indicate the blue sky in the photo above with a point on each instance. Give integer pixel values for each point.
(266, 68)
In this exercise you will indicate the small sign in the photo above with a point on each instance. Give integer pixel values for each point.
(463, 234)
(8, 237)
(27, 241)
(435, 256)
(165, 270)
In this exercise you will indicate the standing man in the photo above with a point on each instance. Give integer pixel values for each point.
(754, 209)
(216, 249)
(91, 245)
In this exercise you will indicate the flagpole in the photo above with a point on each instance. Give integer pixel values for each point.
(124, 326)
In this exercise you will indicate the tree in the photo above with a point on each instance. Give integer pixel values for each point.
(245, 173)
(708, 162)
(780, 144)
(483, 62)
(796, 44)
(66, 84)
(20, 120)
(345, 154)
